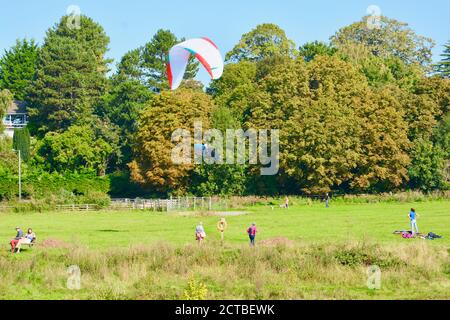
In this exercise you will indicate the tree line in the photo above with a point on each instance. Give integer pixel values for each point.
(367, 111)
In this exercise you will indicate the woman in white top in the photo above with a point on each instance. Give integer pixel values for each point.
(29, 237)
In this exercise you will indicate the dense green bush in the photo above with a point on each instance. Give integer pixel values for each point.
(55, 187)
(44, 183)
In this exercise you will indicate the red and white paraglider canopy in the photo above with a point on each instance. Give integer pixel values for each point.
(203, 49)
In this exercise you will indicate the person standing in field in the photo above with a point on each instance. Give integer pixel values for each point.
(200, 233)
(252, 234)
(327, 201)
(412, 217)
(286, 202)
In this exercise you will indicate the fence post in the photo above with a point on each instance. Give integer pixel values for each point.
(210, 204)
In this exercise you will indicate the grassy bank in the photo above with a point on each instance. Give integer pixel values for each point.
(162, 271)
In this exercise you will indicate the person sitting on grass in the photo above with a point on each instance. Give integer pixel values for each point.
(16, 240)
(29, 238)
(412, 217)
(200, 233)
(252, 234)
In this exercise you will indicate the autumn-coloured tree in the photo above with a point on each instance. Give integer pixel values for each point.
(171, 110)
(384, 143)
(336, 131)
(389, 38)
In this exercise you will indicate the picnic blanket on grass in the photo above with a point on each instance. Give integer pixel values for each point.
(406, 234)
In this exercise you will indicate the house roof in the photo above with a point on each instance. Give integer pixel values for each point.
(17, 107)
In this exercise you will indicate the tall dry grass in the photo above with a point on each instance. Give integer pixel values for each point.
(163, 271)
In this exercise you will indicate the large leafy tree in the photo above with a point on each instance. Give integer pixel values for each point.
(18, 67)
(235, 87)
(391, 38)
(71, 76)
(77, 149)
(384, 142)
(316, 48)
(335, 132)
(427, 166)
(327, 129)
(425, 106)
(220, 179)
(441, 140)
(441, 135)
(381, 71)
(121, 107)
(437, 90)
(311, 106)
(152, 166)
(266, 40)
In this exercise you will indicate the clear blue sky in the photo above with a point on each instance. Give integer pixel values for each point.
(131, 23)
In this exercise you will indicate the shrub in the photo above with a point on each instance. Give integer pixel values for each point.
(195, 291)
(99, 198)
(367, 256)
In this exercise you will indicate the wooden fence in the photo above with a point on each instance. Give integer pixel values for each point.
(77, 207)
(172, 204)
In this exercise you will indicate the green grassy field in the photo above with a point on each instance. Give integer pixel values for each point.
(305, 224)
(146, 255)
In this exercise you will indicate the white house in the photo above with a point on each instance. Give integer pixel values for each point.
(16, 117)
